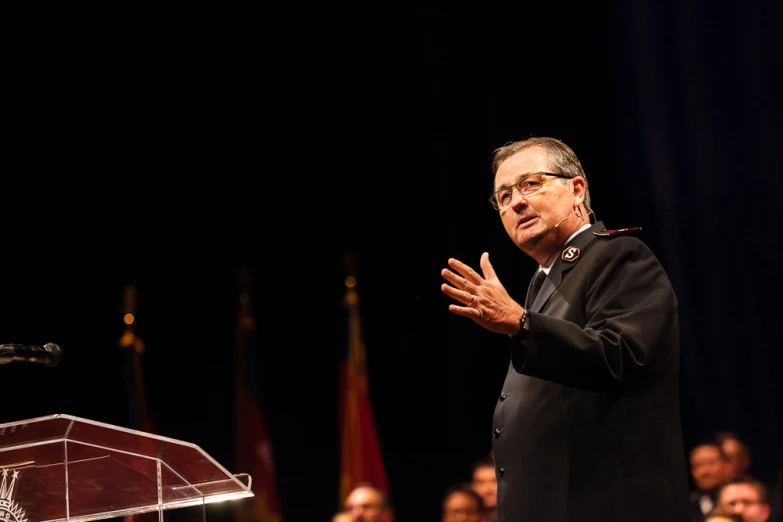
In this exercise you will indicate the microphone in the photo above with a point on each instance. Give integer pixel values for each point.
(558, 223)
(573, 211)
(568, 216)
(49, 354)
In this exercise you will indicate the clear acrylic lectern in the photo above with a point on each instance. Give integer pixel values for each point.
(65, 468)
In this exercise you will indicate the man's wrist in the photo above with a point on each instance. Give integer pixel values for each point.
(524, 327)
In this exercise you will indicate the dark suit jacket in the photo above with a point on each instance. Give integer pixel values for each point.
(587, 427)
(696, 498)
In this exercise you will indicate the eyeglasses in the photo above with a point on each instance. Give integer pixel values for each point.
(706, 463)
(462, 511)
(742, 502)
(527, 185)
(365, 507)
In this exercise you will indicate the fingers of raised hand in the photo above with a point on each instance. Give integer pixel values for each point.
(463, 296)
(456, 281)
(466, 272)
(470, 308)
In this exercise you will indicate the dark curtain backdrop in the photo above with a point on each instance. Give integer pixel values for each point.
(701, 126)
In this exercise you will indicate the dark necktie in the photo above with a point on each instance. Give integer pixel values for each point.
(535, 286)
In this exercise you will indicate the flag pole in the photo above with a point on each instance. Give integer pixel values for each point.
(244, 326)
(361, 460)
(253, 448)
(138, 414)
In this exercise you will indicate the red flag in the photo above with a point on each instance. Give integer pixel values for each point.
(361, 460)
(253, 446)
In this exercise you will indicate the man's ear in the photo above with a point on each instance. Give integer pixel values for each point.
(578, 189)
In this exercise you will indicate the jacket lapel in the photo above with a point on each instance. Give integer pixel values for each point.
(573, 250)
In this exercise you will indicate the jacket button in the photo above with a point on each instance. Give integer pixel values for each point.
(498, 431)
(503, 396)
(501, 472)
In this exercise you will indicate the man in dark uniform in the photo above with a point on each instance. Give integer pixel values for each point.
(587, 427)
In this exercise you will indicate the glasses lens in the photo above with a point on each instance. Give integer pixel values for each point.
(530, 185)
(502, 198)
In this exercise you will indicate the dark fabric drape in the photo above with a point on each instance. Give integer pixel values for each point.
(701, 132)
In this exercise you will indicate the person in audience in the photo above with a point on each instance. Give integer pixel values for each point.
(745, 496)
(708, 469)
(485, 483)
(366, 503)
(462, 504)
(737, 453)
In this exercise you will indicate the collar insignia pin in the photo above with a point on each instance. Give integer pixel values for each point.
(570, 254)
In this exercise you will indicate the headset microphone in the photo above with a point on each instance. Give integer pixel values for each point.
(569, 214)
(558, 223)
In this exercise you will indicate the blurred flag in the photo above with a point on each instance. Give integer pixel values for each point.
(253, 446)
(133, 346)
(361, 459)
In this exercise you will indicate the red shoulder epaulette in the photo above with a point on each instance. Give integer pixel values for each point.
(618, 232)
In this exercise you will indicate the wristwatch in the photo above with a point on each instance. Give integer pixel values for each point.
(524, 327)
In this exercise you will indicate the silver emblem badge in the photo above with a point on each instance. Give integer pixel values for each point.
(570, 254)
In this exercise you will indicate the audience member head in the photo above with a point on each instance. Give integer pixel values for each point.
(462, 504)
(721, 515)
(366, 503)
(736, 451)
(747, 497)
(708, 466)
(485, 482)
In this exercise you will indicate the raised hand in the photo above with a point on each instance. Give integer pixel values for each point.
(482, 298)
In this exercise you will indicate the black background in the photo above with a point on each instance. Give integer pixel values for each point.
(167, 145)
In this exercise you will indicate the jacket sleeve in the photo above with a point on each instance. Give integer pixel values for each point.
(630, 314)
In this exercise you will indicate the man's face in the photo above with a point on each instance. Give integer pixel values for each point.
(485, 483)
(744, 500)
(365, 505)
(736, 457)
(530, 220)
(461, 507)
(708, 468)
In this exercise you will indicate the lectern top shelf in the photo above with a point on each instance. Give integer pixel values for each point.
(66, 468)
